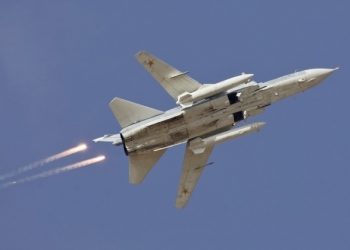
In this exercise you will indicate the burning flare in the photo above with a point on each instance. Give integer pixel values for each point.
(56, 171)
(68, 152)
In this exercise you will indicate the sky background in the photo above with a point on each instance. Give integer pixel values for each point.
(61, 62)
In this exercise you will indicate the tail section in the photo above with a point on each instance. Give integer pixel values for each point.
(141, 163)
(128, 113)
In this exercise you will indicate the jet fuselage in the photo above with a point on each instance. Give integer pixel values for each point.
(217, 113)
(204, 118)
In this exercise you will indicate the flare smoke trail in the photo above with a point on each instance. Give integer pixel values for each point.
(45, 161)
(56, 171)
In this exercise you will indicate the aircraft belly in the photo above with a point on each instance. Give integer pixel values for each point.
(157, 135)
(201, 119)
(208, 117)
(209, 125)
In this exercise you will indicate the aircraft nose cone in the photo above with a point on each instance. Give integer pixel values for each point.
(323, 73)
(326, 72)
(320, 74)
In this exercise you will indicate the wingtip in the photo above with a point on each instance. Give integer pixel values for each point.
(180, 205)
(115, 99)
(141, 53)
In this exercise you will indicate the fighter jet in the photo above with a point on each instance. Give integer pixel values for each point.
(204, 117)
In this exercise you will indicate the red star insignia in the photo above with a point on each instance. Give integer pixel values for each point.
(150, 63)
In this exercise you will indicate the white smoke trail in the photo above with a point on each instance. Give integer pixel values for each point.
(45, 161)
(56, 171)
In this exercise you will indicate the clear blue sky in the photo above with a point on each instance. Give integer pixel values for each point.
(61, 62)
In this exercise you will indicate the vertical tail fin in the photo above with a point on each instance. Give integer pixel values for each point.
(128, 113)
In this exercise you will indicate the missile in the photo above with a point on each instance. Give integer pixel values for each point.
(205, 91)
(199, 145)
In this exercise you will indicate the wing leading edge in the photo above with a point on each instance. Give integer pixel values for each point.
(172, 80)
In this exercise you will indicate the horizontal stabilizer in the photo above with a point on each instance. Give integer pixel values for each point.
(172, 80)
(141, 163)
(128, 113)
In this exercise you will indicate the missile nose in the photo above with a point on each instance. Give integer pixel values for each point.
(247, 76)
(258, 125)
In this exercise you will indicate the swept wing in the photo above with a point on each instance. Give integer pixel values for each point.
(193, 165)
(172, 80)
